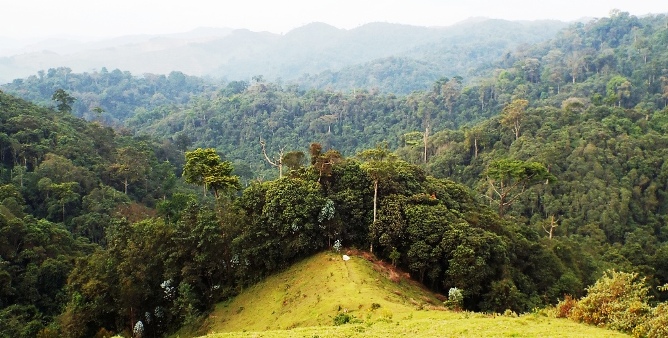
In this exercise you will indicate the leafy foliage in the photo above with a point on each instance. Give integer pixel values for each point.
(204, 167)
(617, 300)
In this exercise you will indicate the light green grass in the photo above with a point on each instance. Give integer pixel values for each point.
(443, 324)
(302, 302)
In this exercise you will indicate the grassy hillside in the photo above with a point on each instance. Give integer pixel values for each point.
(304, 300)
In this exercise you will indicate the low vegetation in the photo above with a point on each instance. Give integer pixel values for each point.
(324, 296)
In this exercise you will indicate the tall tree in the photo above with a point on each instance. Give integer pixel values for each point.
(277, 162)
(618, 89)
(509, 179)
(132, 163)
(204, 167)
(64, 100)
(513, 115)
(378, 163)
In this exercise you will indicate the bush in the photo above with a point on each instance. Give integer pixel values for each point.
(565, 307)
(342, 318)
(455, 299)
(656, 325)
(617, 300)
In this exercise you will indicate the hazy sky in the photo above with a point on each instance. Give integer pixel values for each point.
(41, 18)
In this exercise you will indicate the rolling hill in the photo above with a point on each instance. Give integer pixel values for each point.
(381, 302)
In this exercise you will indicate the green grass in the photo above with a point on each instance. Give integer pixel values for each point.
(302, 302)
(443, 324)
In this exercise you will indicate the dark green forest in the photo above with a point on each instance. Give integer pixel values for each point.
(518, 187)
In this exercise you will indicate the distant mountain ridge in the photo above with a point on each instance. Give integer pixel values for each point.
(241, 54)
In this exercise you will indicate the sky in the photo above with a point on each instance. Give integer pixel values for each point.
(104, 18)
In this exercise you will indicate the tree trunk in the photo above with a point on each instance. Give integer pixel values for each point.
(375, 201)
(475, 144)
(502, 202)
(426, 138)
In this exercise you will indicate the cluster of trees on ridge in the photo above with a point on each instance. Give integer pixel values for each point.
(596, 125)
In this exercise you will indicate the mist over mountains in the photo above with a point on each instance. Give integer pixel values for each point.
(312, 52)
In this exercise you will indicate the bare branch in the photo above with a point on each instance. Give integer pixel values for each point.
(276, 163)
(264, 152)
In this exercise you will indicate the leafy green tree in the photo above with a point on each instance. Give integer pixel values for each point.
(618, 89)
(201, 256)
(64, 100)
(66, 194)
(132, 164)
(285, 221)
(513, 115)
(509, 179)
(475, 138)
(350, 190)
(379, 164)
(204, 167)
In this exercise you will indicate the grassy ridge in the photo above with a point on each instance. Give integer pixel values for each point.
(313, 291)
(303, 301)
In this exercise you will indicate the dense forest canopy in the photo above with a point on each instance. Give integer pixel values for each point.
(516, 188)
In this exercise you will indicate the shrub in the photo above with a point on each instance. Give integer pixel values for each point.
(617, 300)
(342, 318)
(337, 245)
(656, 325)
(565, 307)
(455, 299)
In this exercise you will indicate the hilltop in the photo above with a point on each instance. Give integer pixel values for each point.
(383, 301)
(315, 290)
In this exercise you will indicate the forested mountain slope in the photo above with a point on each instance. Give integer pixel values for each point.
(467, 49)
(596, 118)
(63, 182)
